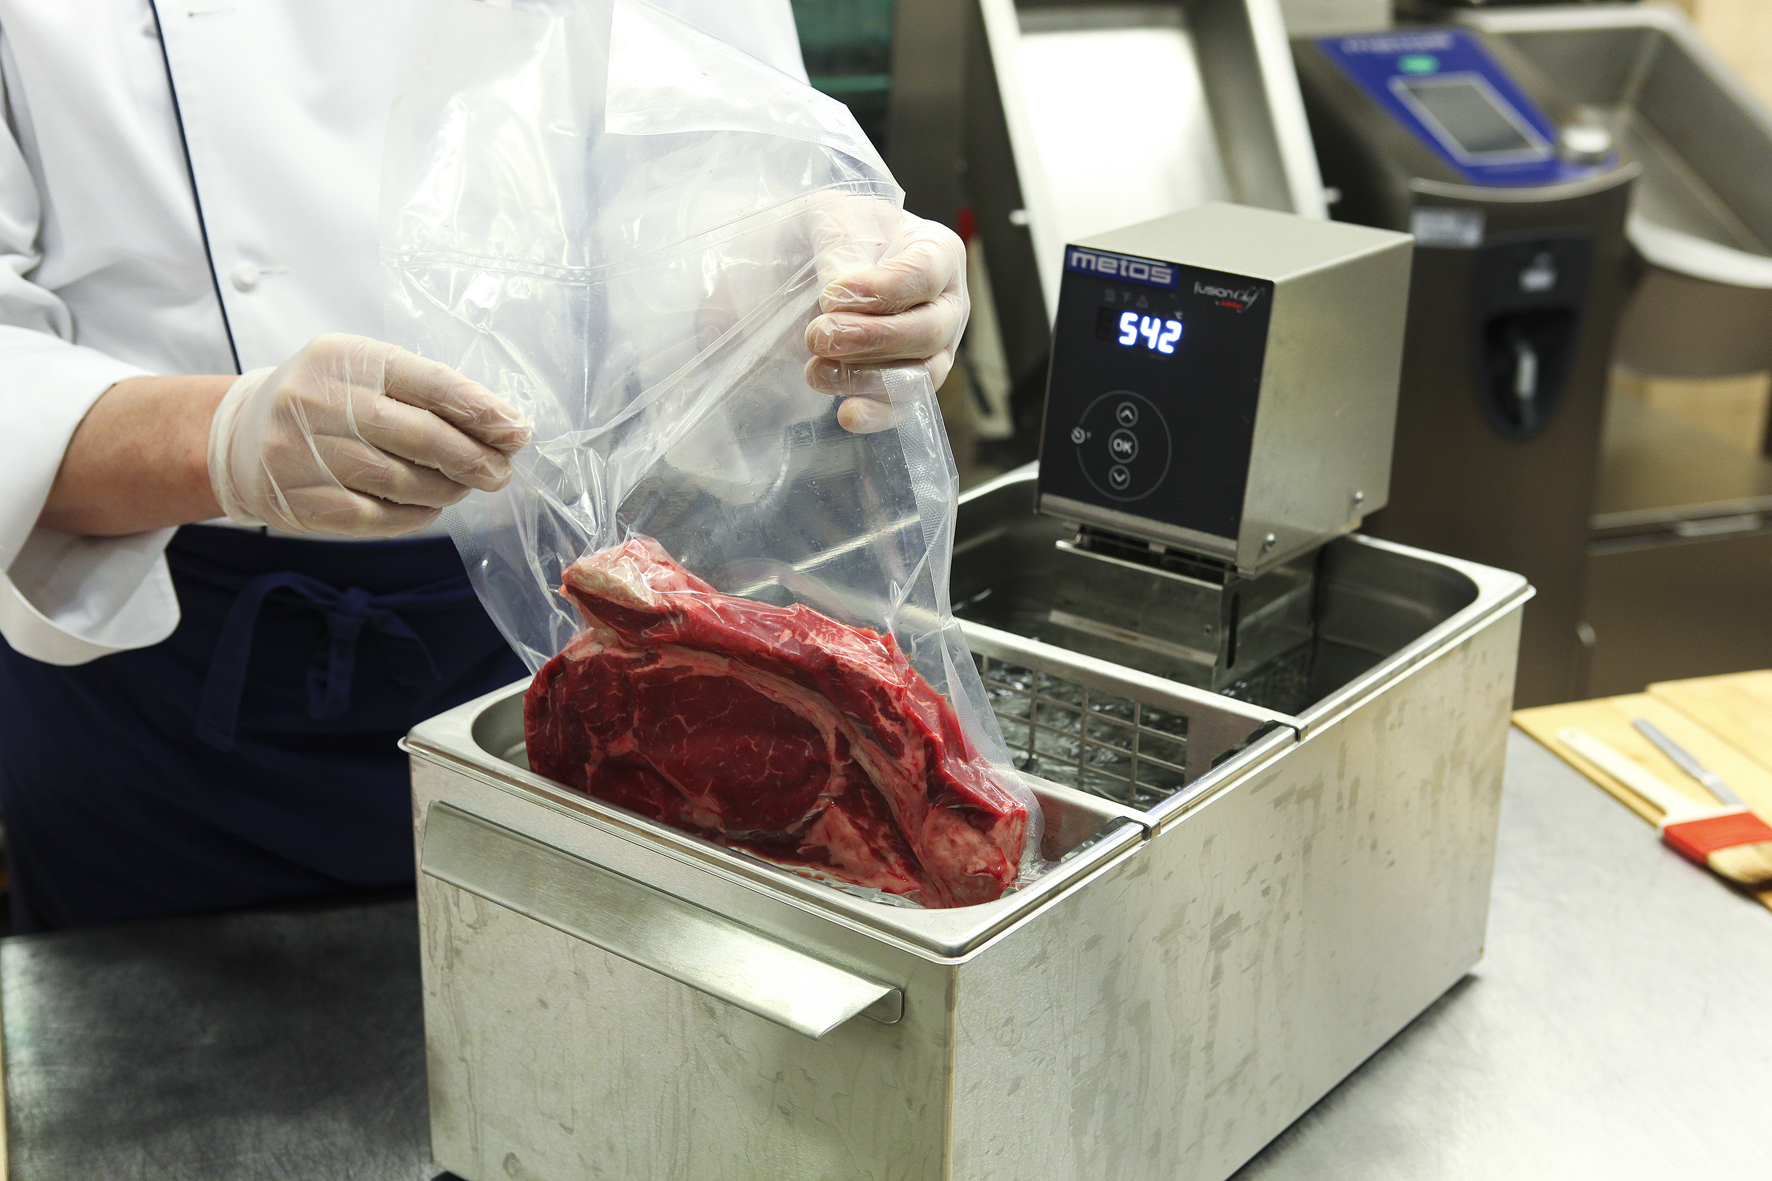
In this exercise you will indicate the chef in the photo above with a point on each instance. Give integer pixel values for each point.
(223, 589)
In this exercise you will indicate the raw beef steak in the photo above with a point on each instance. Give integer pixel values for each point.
(773, 729)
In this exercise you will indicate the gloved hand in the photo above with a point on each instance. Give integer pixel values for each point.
(910, 306)
(354, 436)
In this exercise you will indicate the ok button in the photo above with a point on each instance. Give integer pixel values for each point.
(1123, 446)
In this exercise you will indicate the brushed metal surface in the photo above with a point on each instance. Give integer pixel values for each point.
(1214, 731)
(1703, 138)
(1172, 1007)
(1657, 470)
(687, 943)
(1460, 488)
(1320, 454)
(1663, 607)
(1702, 211)
(550, 1057)
(474, 740)
(274, 1044)
(1457, 486)
(1169, 1018)
(1676, 325)
(1111, 518)
(1211, 632)
(1185, 981)
(1680, 556)
(925, 143)
(1380, 607)
(1212, 78)
(1615, 1028)
(1162, 1020)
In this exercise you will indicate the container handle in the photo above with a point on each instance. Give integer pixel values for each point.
(673, 937)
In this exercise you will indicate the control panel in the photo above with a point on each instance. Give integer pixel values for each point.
(1150, 360)
(1446, 88)
(1224, 383)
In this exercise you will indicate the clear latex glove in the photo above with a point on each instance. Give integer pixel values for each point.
(911, 306)
(357, 437)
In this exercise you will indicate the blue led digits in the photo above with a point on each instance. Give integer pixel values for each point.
(1159, 335)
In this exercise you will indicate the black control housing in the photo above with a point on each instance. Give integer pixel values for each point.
(1162, 436)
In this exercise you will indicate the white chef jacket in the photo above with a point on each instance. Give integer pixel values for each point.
(105, 253)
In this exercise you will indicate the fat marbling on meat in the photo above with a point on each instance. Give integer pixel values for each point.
(773, 729)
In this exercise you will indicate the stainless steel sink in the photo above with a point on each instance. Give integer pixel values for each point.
(1702, 211)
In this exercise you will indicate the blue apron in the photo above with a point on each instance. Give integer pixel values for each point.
(250, 757)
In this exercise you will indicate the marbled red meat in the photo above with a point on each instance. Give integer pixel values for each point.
(773, 729)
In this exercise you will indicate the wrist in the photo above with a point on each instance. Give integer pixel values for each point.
(219, 459)
(139, 460)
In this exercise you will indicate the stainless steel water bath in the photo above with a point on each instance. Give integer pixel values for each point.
(1270, 898)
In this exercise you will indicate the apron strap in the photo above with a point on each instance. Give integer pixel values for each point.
(346, 614)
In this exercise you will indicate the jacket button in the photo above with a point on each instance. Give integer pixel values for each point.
(244, 276)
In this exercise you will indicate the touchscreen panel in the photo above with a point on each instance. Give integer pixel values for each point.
(1470, 115)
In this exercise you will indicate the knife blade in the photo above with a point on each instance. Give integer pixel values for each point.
(1682, 758)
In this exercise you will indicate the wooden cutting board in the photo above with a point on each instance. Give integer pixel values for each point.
(1737, 707)
(1706, 720)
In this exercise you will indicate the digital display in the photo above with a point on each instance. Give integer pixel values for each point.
(1137, 330)
(1464, 110)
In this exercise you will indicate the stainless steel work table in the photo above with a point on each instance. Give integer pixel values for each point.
(1620, 1025)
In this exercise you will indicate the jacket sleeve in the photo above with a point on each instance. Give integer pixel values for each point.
(64, 599)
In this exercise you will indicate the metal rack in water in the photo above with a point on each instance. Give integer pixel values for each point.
(1089, 739)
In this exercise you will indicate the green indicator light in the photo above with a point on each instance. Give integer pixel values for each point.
(1418, 63)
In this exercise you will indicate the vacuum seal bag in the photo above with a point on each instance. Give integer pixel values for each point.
(737, 608)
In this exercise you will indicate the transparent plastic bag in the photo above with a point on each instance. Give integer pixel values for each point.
(622, 225)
